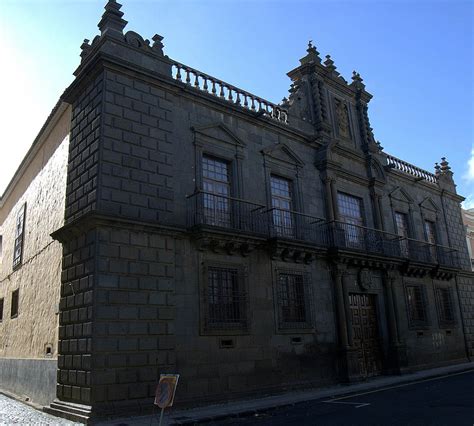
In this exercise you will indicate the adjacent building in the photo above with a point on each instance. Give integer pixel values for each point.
(468, 220)
(167, 221)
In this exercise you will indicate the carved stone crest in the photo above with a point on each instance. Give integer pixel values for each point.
(365, 279)
(342, 117)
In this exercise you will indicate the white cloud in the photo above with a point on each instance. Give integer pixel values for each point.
(469, 176)
(468, 203)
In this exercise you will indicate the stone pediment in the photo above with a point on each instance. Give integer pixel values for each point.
(429, 204)
(400, 194)
(284, 154)
(218, 132)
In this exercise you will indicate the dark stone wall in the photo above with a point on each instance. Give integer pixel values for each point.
(136, 160)
(134, 318)
(76, 318)
(82, 179)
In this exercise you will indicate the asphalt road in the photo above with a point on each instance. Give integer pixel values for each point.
(442, 401)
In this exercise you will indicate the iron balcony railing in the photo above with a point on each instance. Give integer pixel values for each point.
(216, 211)
(297, 226)
(359, 238)
(228, 213)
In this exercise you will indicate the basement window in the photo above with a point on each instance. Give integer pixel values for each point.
(15, 299)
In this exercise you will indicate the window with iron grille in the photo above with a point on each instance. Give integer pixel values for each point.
(444, 299)
(225, 299)
(14, 305)
(19, 237)
(281, 205)
(216, 186)
(416, 305)
(294, 301)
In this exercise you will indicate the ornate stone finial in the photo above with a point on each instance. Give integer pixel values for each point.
(356, 77)
(357, 80)
(444, 166)
(329, 63)
(379, 146)
(312, 56)
(437, 169)
(112, 23)
(85, 48)
(157, 46)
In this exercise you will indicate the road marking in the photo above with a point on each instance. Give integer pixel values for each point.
(357, 404)
(402, 385)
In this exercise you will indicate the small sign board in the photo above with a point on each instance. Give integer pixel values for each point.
(166, 389)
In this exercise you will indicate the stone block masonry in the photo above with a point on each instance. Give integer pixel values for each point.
(137, 165)
(134, 317)
(84, 151)
(75, 322)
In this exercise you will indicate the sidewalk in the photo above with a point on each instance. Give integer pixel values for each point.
(252, 406)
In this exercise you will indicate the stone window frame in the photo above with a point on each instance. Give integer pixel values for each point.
(289, 170)
(355, 190)
(19, 242)
(440, 308)
(221, 213)
(279, 221)
(15, 304)
(404, 206)
(307, 326)
(414, 323)
(224, 328)
(233, 154)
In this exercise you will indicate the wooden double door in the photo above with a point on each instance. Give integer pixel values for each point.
(365, 333)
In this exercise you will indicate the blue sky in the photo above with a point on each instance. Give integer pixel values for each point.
(416, 58)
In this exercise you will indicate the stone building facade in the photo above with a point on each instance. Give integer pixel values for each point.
(246, 245)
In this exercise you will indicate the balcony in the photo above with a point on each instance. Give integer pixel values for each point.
(213, 212)
(208, 210)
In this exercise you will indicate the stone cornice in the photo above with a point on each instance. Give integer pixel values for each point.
(92, 220)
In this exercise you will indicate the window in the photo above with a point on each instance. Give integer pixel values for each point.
(1, 310)
(293, 290)
(416, 305)
(225, 299)
(281, 206)
(444, 300)
(19, 234)
(430, 235)
(351, 214)
(216, 186)
(401, 220)
(14, 307)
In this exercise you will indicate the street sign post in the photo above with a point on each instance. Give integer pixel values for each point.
(164, 395)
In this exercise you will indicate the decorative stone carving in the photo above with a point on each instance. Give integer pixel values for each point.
(342, 117)
(365, 279)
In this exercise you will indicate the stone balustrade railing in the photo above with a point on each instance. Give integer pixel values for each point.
(403, 166)
(225, 91)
